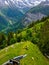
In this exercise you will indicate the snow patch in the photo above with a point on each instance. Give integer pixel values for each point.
(6, 3)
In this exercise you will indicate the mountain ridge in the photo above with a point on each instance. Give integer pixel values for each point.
(36, 13)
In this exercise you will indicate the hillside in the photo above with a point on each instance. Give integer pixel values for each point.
(38, 35)
(34, 56)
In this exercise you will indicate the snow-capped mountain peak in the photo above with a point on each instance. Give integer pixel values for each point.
(45, 3)
(20, 3)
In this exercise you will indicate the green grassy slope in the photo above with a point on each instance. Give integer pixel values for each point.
(38, 34)
(20, 49)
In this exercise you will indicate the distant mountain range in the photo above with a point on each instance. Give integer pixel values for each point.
(36, 13)
(13, 11)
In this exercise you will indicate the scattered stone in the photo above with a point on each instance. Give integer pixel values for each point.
(15, 61)
(6, 49)
(26, 47)
(12, 46)
(32, 58)
(46, 55)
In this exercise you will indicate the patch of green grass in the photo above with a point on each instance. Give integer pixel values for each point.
(17, 49)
